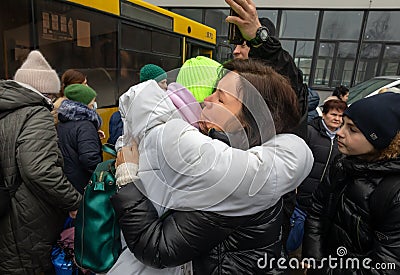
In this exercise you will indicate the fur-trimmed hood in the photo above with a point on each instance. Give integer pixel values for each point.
(392, 151)
(75, 111)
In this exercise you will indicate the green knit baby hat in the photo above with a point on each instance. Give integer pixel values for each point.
(199, 75)
(151, 71)
(80, 93)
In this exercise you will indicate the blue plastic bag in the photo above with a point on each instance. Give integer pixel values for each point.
(296, 233)
(62, 254)
(63, 264)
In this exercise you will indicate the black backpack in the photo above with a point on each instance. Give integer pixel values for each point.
(6, 191)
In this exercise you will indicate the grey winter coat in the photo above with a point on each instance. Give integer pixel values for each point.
(29, 155)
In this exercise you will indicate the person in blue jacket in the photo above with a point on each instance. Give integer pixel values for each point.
(115, 128)
(313, 102)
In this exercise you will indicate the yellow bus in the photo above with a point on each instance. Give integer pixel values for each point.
(109, 40)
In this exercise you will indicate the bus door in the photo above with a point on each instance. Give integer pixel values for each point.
(195, 48)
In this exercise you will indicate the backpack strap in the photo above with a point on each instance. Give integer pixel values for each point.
(381, 198)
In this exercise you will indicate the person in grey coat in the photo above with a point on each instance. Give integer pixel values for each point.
(31, 160)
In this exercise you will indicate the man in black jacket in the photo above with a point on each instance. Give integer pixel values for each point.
(260, 37)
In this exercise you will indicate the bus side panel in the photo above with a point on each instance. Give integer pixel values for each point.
(110, 6)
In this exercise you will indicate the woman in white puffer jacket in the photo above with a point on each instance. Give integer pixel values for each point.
(182, 169)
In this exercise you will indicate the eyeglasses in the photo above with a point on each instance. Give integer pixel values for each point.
(52, 97)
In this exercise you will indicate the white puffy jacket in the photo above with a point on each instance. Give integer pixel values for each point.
(180, 168)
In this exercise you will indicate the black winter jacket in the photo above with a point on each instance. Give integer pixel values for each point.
(216, 244)
(324, 150)
(272, 54)
(79, 142)
(29, 155)
(341, 216)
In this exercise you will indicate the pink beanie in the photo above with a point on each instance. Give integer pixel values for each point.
(185, 102)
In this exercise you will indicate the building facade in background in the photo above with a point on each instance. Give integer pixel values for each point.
(345, 42)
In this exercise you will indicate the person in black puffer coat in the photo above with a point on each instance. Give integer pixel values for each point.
(77, 132)
(215, 244)
(322, 142)
(355, 213)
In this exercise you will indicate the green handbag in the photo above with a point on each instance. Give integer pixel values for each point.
(97, 232)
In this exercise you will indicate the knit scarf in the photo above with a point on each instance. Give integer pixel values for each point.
(331, 134)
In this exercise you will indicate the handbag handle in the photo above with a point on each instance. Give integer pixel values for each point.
(110, 149)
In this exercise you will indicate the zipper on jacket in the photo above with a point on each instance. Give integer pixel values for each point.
(358, 231)
(327, 161)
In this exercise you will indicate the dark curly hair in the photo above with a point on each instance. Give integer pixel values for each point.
(340, 91)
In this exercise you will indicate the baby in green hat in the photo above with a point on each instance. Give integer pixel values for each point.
(151, 71)
(199, 75)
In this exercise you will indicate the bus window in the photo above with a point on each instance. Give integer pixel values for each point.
(166, 44)
(224, 52)
(135, 38)
(133, 61)
(74, 37)
(194, 49)
(108, 40)
(16, 40)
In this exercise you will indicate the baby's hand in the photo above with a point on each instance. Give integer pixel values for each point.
(128, 154)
